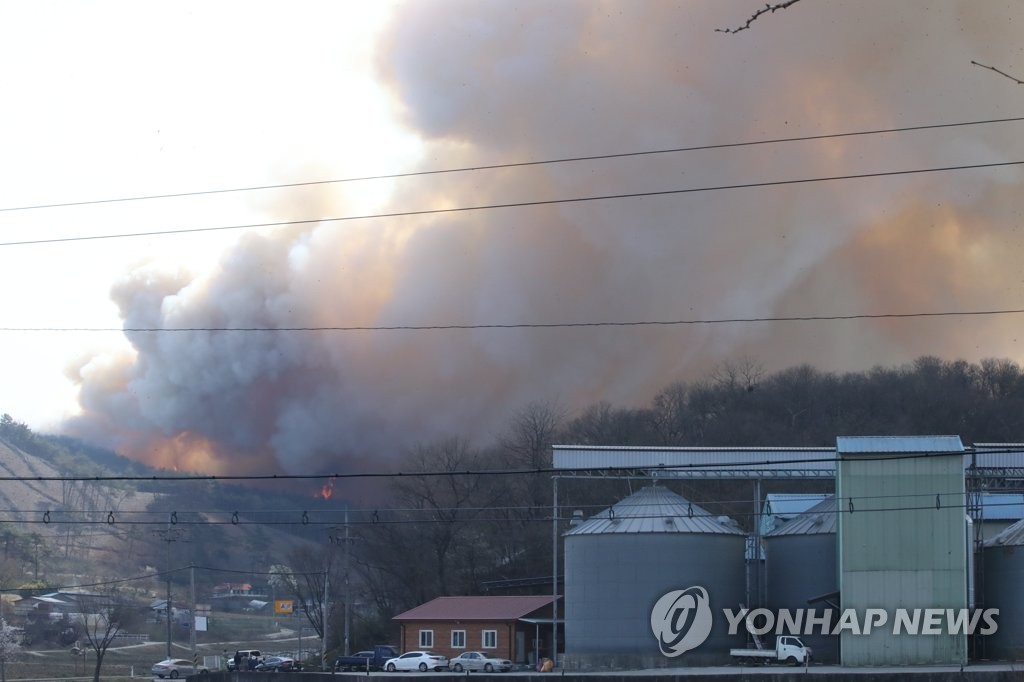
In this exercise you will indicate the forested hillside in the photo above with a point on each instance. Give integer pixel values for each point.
(416, 537)
(506, 520)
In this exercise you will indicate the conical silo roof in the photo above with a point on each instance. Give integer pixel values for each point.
(655, 509)
(1012, 536)
(819, 519)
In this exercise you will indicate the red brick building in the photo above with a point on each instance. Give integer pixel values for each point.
(516, 628)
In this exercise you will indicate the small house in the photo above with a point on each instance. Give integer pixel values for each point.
(518, 628)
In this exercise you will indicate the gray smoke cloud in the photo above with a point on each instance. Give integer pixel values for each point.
(493, 82)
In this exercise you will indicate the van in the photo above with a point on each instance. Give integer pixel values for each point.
(244, 656)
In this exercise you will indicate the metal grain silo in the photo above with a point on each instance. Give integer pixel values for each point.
(800, 561)
(1003, 586)
(620, 562)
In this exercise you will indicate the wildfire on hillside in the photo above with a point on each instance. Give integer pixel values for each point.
(327, 490)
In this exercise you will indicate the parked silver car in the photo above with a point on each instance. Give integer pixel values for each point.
(478, 660)
(278, 664)
(176, 667)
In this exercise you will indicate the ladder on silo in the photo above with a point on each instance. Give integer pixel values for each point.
(753, 634)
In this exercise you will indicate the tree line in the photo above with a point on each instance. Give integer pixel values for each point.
(461, 534)
(493, 534)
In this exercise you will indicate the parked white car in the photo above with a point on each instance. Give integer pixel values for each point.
(478, 660)
(417, 660)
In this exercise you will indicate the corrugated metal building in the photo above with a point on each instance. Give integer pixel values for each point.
(726, 462)
(902, 542)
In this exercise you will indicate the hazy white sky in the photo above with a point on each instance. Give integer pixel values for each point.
(119, 99)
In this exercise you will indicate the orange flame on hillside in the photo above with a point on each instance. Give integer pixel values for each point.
(326, 490)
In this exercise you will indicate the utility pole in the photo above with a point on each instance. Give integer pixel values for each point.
(192, 614)
(345, 538)
(554, 570)
(326, 610)
(347, 586)
(169, 535)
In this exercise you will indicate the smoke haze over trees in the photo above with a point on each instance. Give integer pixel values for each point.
(496, 83)
(493, 83)
(464, 534)
(506, 521)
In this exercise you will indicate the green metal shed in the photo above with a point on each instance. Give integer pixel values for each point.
(902, 543)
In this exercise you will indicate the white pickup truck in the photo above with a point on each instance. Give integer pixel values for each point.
(787, 649)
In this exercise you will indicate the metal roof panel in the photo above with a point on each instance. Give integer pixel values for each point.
(501, 608)
(821, 518)
(852, 445)
(1002, 506)
(1012, 536)
(656, 509)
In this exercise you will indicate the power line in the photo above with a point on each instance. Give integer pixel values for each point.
(161, 574)
(520, 164)
(702, 466)
(516, 204)
(374, 515)
(533, 325)
(845, 505)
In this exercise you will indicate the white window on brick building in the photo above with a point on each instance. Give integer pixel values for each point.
(426, 639)
(490, 639)
(458, 639)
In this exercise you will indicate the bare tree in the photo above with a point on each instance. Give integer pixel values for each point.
(740, 376)
(531, 434)
(104, 617)
(437, 541)
(769, 8)
(304, 581)
(1001, 73)
(445, 504)
(527, 443)
(602, 424)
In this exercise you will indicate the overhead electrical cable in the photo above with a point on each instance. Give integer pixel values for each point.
(305, 516)
(160, 574)
(384, 518)
(702, 466)
(534, 325)
(517, 204)
(519, 164)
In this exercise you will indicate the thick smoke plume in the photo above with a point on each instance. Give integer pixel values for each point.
(492, 82)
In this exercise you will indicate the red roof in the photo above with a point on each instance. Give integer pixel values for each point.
(476, 608)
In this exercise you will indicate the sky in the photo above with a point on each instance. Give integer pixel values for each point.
(116, 100)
